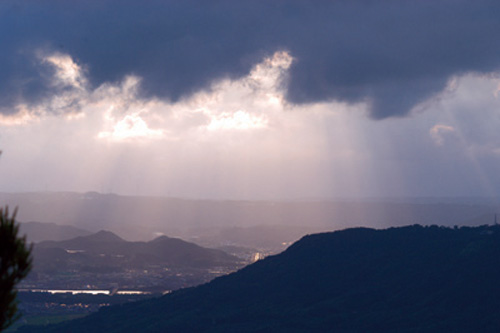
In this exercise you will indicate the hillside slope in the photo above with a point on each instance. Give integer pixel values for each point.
(107, 249)
(408, 279)
(39, 231)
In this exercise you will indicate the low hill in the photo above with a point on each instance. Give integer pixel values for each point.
(105, 249)
(407, 279)
(41, 231)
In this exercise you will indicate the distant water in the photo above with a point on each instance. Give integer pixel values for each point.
(86, 291)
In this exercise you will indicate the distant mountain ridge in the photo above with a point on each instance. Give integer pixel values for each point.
(87, 242)
(105, 248)
(174, 216)
(42, 231)
(104, 236)
(406, 279)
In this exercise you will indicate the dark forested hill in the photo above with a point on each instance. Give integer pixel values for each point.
(408, 279)
(108, 250)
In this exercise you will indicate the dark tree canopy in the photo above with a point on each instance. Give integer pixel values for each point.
(15, 264)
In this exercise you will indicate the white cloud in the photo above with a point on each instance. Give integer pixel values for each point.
(131, 127)
(239, 120)
(67, 71)
(239, 139)
(439, 132)
(22, 117)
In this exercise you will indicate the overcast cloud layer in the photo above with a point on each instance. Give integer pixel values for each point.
(391, 55)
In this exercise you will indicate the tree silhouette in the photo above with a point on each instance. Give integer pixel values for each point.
(15, 264)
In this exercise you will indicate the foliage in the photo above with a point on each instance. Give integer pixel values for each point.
(15, 264)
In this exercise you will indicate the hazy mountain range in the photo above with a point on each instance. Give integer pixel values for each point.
(408, 279)
(144, 218)
(42, 231)
(106, 252)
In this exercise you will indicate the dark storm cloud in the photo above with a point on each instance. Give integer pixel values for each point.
(392, 54)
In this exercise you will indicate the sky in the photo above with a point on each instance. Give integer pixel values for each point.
(251, 99)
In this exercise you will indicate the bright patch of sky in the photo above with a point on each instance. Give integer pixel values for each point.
(240, 139)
